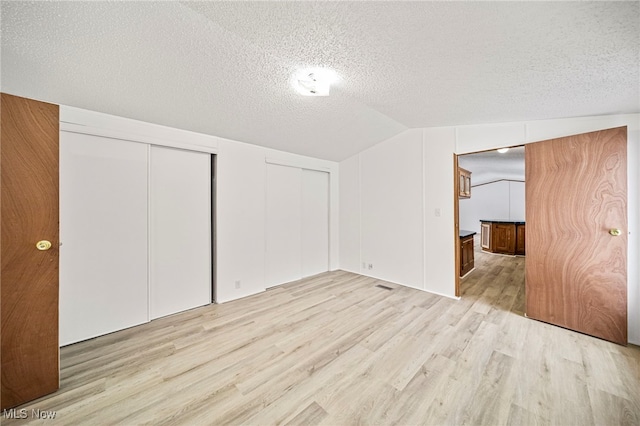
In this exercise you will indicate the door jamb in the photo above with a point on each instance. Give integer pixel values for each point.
(456, 221)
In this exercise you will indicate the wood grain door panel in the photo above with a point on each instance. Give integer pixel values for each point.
(29, 293)
(576, 272)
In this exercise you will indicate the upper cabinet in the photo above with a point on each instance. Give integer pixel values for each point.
(464, 183)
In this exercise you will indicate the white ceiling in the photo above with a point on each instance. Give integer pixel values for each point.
(223, 68)
(490, 166)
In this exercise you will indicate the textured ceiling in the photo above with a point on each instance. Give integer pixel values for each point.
(490, 166)
(223, 68)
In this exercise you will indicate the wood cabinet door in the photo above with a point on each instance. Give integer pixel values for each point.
(464, 183)
(520, 239)
(485, 236)
(467, 185)
(504, 238)
(576, 271)
(29, 162)
(466, 255)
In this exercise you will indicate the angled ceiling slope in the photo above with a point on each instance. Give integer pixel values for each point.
(223, 68)
(491, 166)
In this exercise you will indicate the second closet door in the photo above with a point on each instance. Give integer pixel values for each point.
(315, 222)
(297, 223)
(284, 222)
(180, 231)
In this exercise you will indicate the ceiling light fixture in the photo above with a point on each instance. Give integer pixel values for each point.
(503, 150)
(313, 81)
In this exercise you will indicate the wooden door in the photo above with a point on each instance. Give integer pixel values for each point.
(29, 162)
(576, 271)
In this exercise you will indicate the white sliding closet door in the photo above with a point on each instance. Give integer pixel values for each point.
(315, 222)
(180, 240)
(297, 223)
(284, 221)
(103, 232)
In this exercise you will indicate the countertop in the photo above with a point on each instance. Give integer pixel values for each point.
(516, 222)
(464, 233)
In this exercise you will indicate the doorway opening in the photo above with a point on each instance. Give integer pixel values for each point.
(214, 261)
(576, 248)
(489, 211)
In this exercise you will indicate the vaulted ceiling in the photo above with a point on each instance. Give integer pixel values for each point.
(490, 166)
(223, 68)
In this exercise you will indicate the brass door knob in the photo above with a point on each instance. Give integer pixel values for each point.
(43, 245)
(615, 232)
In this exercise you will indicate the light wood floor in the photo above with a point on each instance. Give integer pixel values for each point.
(337, 350)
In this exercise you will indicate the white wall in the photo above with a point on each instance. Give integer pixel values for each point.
(396, 211)
(391, 209)
(438, 173)
(517, 197)
(381, 199)
(350, 222)
(439, 258)
(502, 200)
(241, 193)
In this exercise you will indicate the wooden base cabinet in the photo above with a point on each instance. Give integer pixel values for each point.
(503, 237)
(520, 239)
(466, 254)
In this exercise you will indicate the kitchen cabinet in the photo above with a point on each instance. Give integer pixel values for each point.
(503, 237)
(466, 252)
(520, 239)
(464, 183)
(485, 236)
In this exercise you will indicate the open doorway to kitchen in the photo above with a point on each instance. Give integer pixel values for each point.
(490, 222)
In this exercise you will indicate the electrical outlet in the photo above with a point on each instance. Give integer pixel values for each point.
(437, 212)
(238, 284)
(371, 266)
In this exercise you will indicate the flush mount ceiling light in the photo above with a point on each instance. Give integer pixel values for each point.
(503, 150)
(313, 81)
